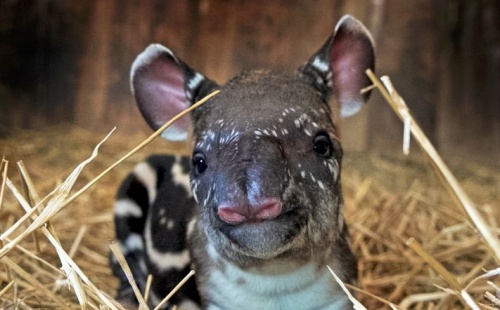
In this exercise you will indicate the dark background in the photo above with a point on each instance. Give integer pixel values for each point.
(68, 61)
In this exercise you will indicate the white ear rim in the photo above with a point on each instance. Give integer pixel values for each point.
(354, 22)
(145, 58)
(150, 54)
(174, 134)
(352, 108)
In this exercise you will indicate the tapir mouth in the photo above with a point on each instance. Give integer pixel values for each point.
(265, 238)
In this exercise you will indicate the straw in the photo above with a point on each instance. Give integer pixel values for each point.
(463, 201)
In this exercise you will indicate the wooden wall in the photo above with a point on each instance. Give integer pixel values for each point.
(68, 61)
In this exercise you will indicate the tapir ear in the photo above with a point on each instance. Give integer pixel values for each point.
(164, 86)
(338, 68)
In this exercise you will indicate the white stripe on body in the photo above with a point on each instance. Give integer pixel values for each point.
(147, 175)
(164, 260)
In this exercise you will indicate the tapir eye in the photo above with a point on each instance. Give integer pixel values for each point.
(199, 163)
(323, 146)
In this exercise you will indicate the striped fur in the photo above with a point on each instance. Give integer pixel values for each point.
(151, 228)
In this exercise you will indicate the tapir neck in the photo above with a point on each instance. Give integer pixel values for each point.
(280, 284)
(286, 286)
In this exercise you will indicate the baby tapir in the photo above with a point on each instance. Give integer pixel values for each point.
(257, 210)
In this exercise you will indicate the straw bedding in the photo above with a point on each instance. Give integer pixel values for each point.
(388, 200)
(416, 247)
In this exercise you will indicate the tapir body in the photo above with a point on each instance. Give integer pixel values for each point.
(256, 211)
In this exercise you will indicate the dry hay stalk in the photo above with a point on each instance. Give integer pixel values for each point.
(450, 182)
(176, 288)
(124, 265)
(452, 185)
(42, 221)
(39, 216)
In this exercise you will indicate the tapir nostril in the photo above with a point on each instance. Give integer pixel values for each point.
(267, 209)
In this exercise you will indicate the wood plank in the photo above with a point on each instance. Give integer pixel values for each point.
(94, 75)
(469, 113)
(406, 50)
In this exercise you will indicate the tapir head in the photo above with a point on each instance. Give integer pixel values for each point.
(267, 155)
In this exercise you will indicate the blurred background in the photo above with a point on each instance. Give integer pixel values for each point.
(68, 61)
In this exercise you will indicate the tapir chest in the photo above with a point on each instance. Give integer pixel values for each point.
(224, 285)
(254, 292)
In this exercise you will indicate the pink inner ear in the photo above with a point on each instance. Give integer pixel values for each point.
(159, 90)
(345, 70)
(351, 54)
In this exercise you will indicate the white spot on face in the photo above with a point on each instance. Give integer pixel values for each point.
(206, 139)
(321, 185)
(205, 201)
(330, 167)
(333, 167)
(213, 193)
(195, 185)
(297, 123)
(231, 137)
(307, 132)
(304, 117)
(312, 177)
(280, 120)
(274, 133)
(127, 208)
(303, 174)
(147, 175)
